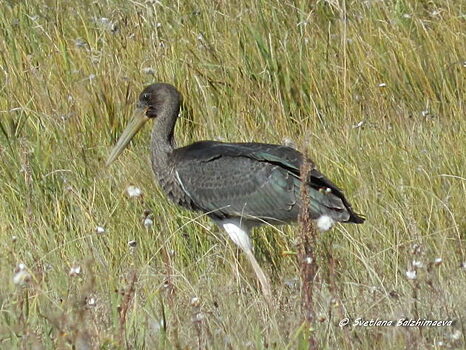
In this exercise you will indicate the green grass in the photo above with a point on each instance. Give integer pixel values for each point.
(259, 71)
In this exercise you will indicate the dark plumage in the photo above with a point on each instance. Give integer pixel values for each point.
(258, 182)
(239, 185)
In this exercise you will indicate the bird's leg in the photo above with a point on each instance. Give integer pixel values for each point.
(239, 234)
(260, 274)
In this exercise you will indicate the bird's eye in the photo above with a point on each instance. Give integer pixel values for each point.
(146, 96)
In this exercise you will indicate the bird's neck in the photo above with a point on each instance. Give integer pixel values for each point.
(162, 141)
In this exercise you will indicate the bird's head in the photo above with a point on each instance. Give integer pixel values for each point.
(156, 101)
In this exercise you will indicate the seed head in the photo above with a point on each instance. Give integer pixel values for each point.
(148, 70)
(358, 125)
(148, 222)
(456, 335)
(21, 277)
(411, 274)
(325, 223)
(195, 302)
(75, 271)
(133, 191)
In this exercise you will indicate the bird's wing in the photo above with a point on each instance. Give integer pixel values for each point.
(253, 180)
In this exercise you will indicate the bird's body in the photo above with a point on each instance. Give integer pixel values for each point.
(238, 185)
(255, 182)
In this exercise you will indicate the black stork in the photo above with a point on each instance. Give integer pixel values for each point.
(238, 185)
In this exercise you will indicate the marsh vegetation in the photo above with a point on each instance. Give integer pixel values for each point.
(96, 257)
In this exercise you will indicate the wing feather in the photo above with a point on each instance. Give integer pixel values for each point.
(254, 180)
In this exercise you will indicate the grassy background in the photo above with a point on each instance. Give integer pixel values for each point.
(374, 91)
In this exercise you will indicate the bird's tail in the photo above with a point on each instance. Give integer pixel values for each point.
(331, 203)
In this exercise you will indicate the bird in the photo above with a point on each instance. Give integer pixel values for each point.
(238, 185)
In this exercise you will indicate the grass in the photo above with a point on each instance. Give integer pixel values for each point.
(373, 91)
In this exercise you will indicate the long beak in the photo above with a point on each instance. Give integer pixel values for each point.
(136, 123)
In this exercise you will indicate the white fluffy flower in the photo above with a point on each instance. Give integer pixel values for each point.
(21, 276)
(133, 191)
(325, 223)
(411, 274)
